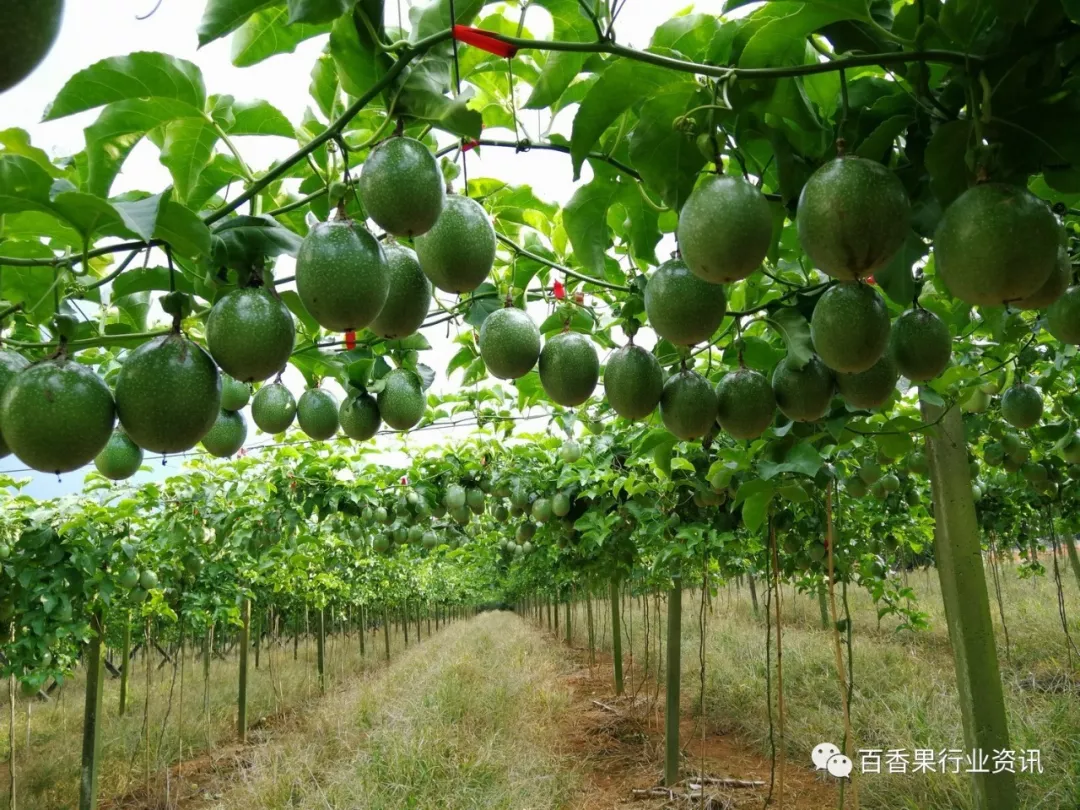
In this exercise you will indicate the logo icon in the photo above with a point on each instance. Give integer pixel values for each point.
(827, 757)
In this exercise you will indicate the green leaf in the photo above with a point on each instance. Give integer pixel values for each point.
(756, 509)
(876, 145)
(16, 141)
(244, 241)
(585, 220)
(138, 75)
(661, 454)
(120, 126)
(26, 186)
(222, 170)
(292, 300)
(802, 458)
(642, 225)
(186, 149)
(930, 396)
(28, 285)
(324, 83)
(569, 24)
(782, 40)
(946, 161)
(267, 33)
(434, 16)
(793, 493)
(260, 118)
(795, 331)
(141, 216)
(142, 279)
(480, 308)
(680, 463)
(423, 96)
(359, 64)
(690, 35)
(621, 85)
(317, 11)
(667, 159)
(895, 278)
(181, 227)
(222, 17)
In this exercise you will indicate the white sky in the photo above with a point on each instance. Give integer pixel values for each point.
(95, 30)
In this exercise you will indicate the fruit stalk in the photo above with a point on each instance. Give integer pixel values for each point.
(967, 603)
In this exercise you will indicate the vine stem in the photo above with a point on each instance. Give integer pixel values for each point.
(519, 250)
(408, 55)
(723, 71)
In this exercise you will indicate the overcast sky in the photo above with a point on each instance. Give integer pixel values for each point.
(95, 30)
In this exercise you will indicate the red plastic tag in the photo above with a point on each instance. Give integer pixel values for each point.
(484, 41)
(559, 290)
(350, 340)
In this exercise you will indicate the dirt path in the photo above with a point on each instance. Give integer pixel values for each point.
(619, 745)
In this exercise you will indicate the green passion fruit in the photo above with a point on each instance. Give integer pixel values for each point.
(401, 187)
(509, 343)
(681, 307)
(746, 404)
(457, 254)
(250, 333)
(633, 382)
(725, 228)
(852, 218)
(569, 368)
(342, 276)
(57, 415)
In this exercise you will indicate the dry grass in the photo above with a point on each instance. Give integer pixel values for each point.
(48, 735)
(905, 687)
(470, 719)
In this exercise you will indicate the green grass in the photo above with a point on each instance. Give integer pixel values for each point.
(905, 688)
(469, 719)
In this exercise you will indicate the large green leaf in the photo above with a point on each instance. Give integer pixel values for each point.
(359, 64)
(243, 242)
(569, 24)
(795, 331)
(140, 216)
(621, 85)
(423, 96)
(187, 147)
(946, 160)
(181, 227)
(690, 35)
(585, 220)
(268, 33)
(222, 170)
(28, 285)
(434, 16)
(120, 126)
(667, 158)
(143, 279)
(895, 278)
(325, 83)
(317, 11)
(222, 17)
(260, 118)
(16, 141)
(26, 186)
(139, 75)
(782, 40)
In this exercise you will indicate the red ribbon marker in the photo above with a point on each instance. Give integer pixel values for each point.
(870, 280)
(484, 41)
(350, 340)
(559, 290)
